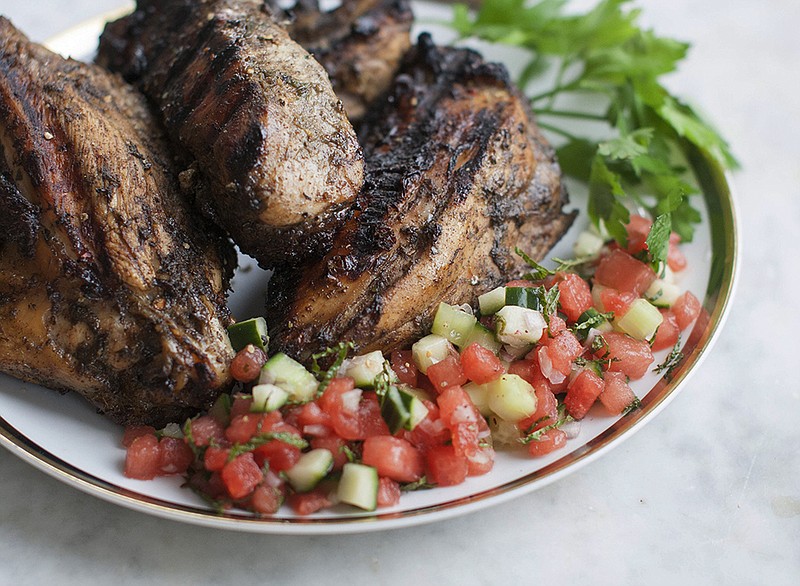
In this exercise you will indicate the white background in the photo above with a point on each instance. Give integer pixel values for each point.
(707, 493)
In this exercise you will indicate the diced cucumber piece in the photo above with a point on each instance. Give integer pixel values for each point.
(588, 244)
(365, 368)
(597, 297)
(430, 350)
(402, 410)
(358, 486)
(491, 302)
(591, 320)
(511, 353)
(511, 397)
(480, 396)
(641, 320)
(482, 335)
(312, 467)
(663, 294)
(453, 323)
(291, 376)
(268, 397)
(519, 326)
(528, 297)
(251, 331)
(504, 433)
(420, 394)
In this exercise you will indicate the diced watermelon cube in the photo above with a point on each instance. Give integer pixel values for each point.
(621, 353)
(241, 475)
(574, 295)
(582, 392)
(617, 395)
(620, 270)
(548, 442)
(686, 309)
(667, 333)
(444, 467)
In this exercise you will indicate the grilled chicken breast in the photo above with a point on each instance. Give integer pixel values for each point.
(280, 161)
(110, 285)
(360, 44)
(457, 175)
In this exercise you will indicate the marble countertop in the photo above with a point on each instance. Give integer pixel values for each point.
(707, 493)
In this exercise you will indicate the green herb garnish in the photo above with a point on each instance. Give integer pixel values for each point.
(596, 364)
(672, 360)
(591, 318)
(573, 264)
(604, 55)
(262, 438)
(383, 381)
(349, 453)
(635, 404)
(340, 350)
(539, 272)
(421, 484)
(535, 436)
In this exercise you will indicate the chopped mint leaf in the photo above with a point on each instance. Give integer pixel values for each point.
(535, 436)
(421, 484)
(340, 351)
(539, 272)
(262, 438)
(383, 380)
(672, 360)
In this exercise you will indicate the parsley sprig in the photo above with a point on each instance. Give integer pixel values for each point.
(607, 70)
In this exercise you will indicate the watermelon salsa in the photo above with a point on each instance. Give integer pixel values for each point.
(535, 358)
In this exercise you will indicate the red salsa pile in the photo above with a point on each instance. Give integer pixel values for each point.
(538, 356)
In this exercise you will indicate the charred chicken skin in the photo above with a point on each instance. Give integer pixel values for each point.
(457, 175)
(110, 285)
(279, 160)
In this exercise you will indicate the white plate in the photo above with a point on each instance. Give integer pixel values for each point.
(63, 436)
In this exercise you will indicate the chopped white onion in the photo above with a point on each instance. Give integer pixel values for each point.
(572, 429)
(548, 371)
(351, 400)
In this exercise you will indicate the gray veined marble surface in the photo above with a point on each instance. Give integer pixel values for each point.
(707, 493)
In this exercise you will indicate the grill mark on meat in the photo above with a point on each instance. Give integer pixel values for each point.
(280, 162)
(457, 174)
(110, 285)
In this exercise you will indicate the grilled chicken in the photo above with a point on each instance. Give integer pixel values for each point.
(110, 285)
(360, 44)
(457, 175)
(280, 162)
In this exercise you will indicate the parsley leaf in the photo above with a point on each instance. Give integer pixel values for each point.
(605, 55)
(658, 239)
